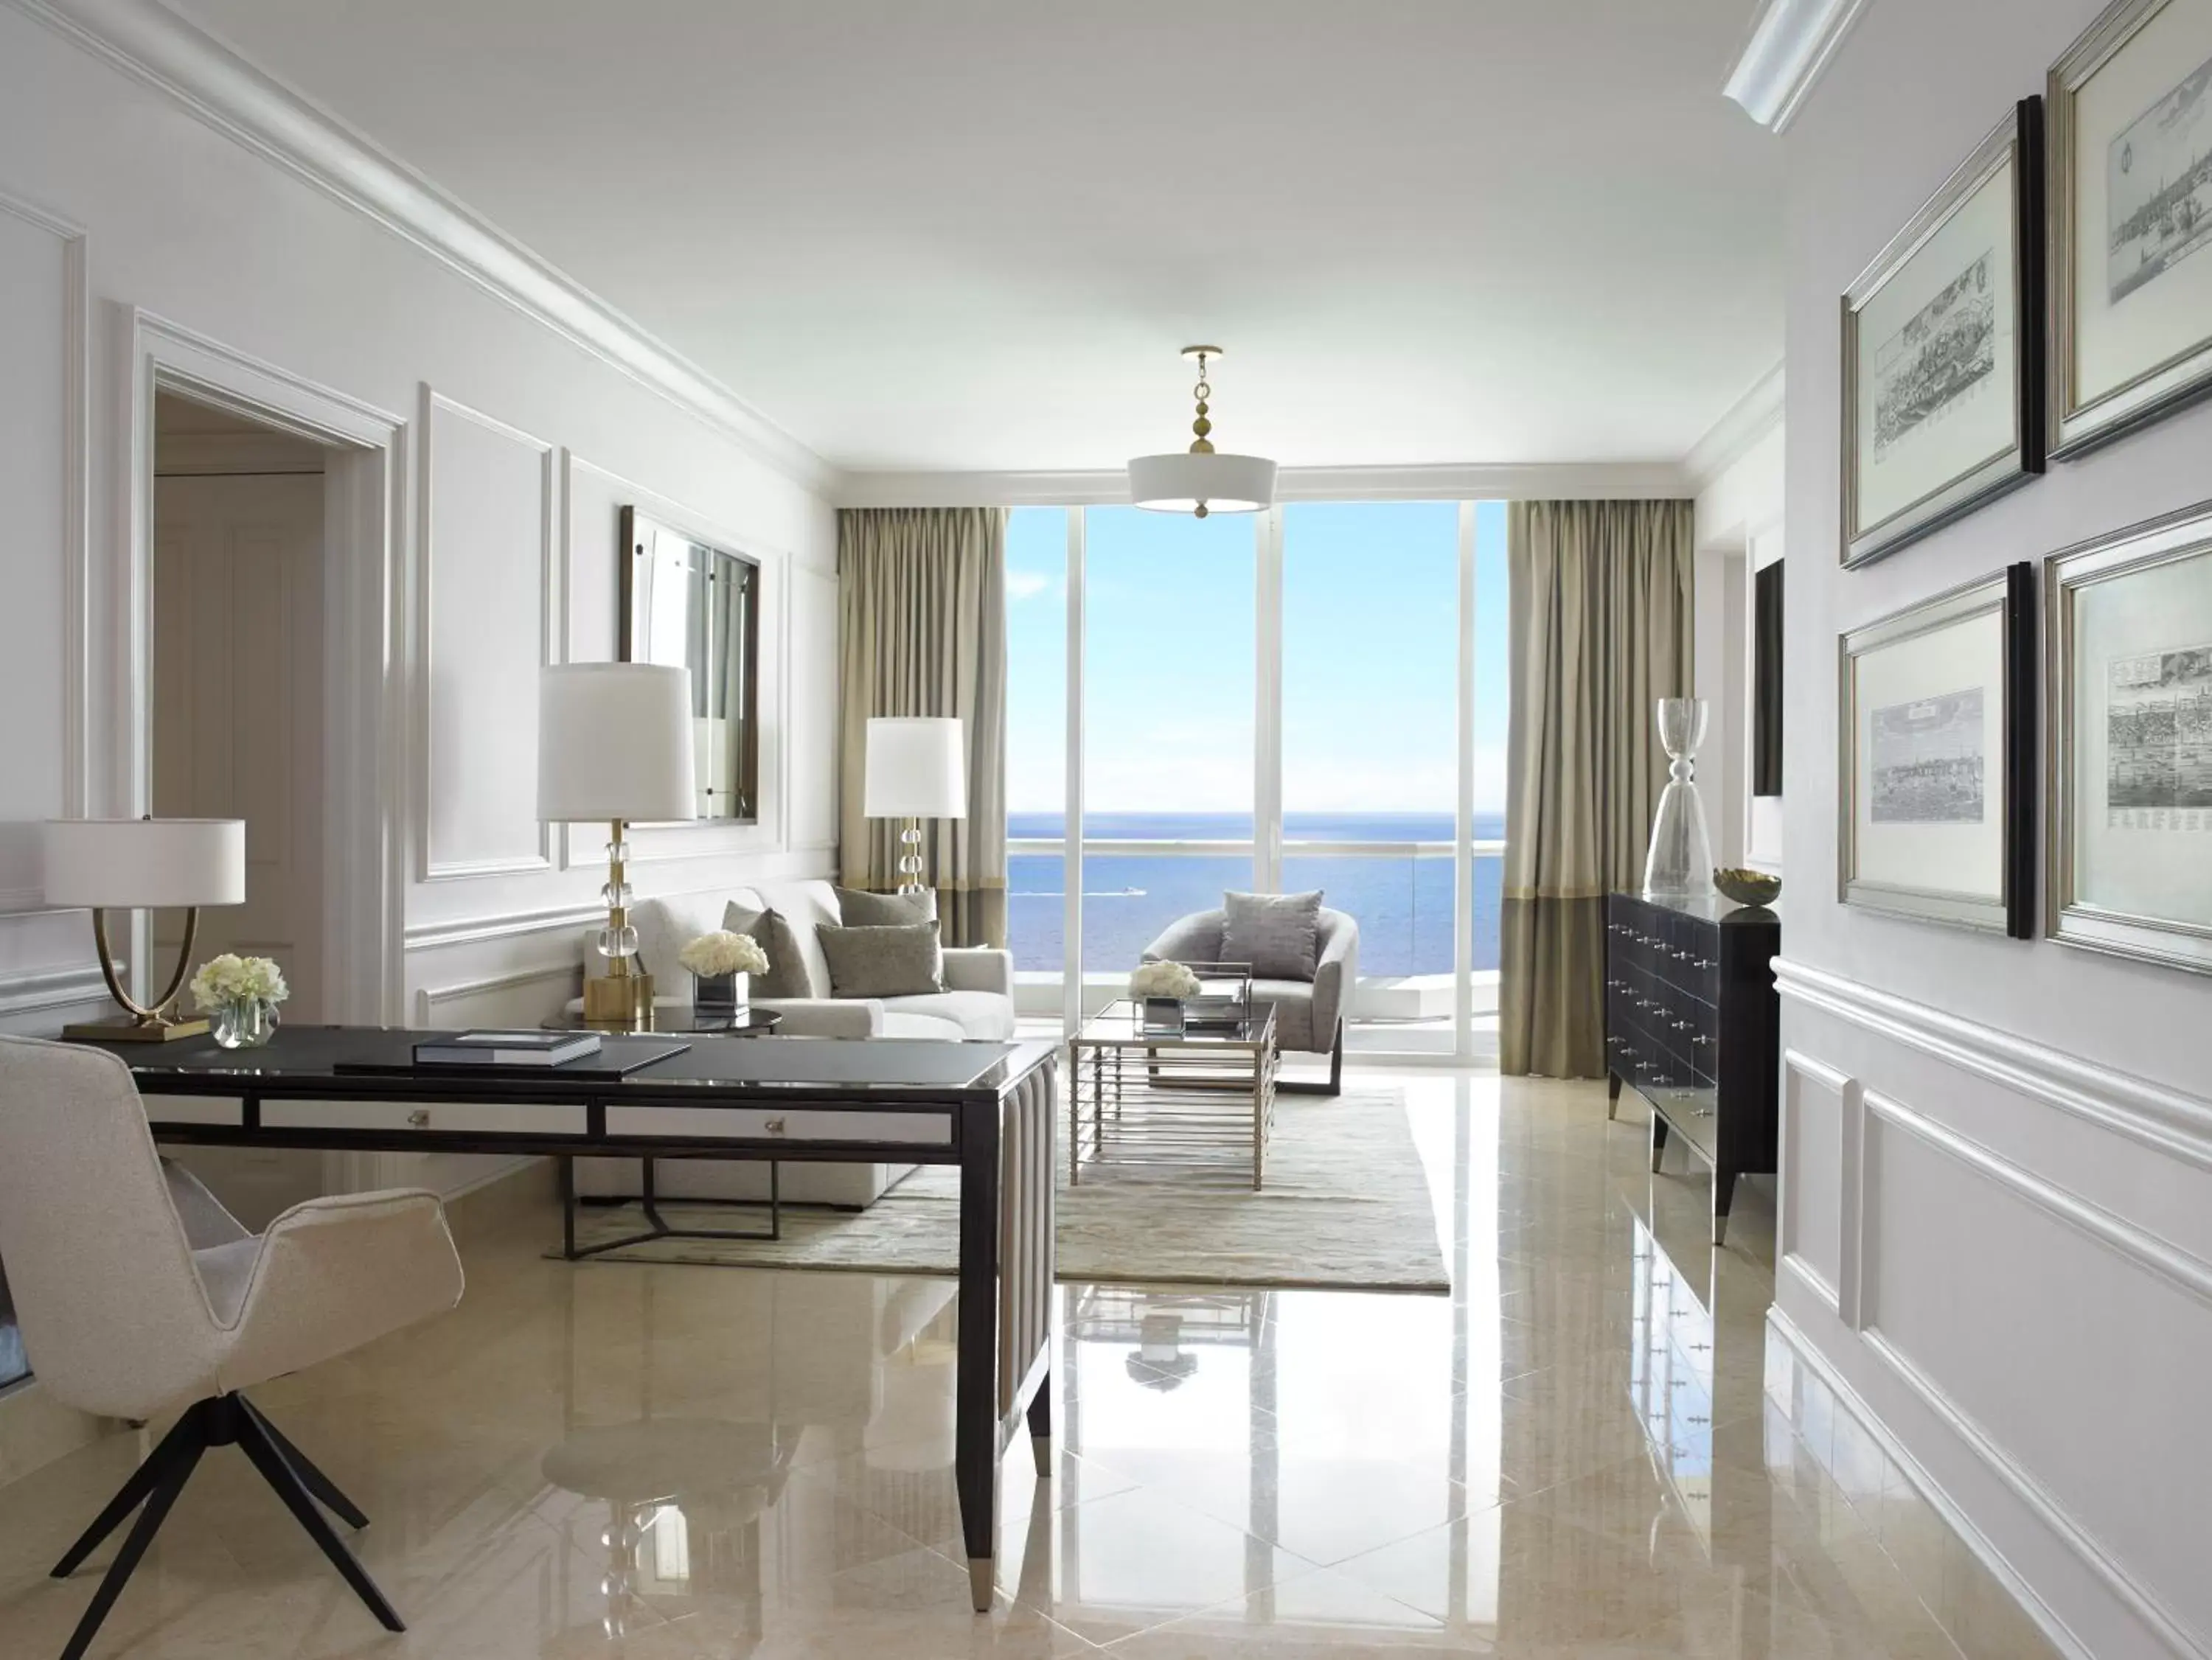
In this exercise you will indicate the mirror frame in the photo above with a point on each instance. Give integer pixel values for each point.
(635, 522)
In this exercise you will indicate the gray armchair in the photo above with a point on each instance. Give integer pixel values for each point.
(1309, 1014)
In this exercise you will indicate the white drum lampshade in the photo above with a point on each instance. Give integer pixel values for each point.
(614, 742)
(1181, 482)
(916, 768)
(121, 864)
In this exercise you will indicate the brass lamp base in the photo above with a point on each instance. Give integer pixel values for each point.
(139, 1022)
(619, 1000)
(126, 1029)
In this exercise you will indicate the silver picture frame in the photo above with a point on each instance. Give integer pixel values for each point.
(2015, 143)
(2157, 545)
(2008, 597)
(2177, 369)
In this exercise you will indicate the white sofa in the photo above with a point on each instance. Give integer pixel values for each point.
(977, 1004)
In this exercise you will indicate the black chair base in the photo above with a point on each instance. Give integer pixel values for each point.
(220, 1420)
(1335, 1084)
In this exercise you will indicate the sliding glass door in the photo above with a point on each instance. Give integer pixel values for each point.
(1308, 698)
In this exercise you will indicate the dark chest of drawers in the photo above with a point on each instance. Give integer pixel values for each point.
(1692, 1021)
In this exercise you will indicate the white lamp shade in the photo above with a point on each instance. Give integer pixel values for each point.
(126, 863)
(614, 742)
(915, 768)
(1178, 481)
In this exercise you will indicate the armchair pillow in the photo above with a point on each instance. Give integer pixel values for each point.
(901, 960)
(857, 908)
(787, 975)
(1278, 934)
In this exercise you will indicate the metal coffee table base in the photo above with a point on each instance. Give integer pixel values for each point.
(657, 1226)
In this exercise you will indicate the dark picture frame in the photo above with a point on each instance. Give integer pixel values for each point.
(1953, 725)
(2172, 367)
(2149, 644)
(718, 641)
(1944, 352)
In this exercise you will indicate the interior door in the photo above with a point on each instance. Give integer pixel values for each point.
(237, 704)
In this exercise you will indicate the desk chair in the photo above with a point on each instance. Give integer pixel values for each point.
(137, 1293)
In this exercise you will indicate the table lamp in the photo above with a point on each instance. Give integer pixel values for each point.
(915, 770)
(121, 864)
(614, 744)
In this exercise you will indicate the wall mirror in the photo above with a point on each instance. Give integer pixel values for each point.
(688, 603)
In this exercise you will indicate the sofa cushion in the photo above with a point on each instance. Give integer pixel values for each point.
(787, 975)
(883, 962)
(902, 1024)
(857, 908)
(806, 904)
(979, 1015)
(1278, 934)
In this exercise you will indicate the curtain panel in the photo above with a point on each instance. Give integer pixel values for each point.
(922, 631)
(1601, 630)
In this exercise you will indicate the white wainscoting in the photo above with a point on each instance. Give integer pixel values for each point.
(2006, 1252)
(490, 595)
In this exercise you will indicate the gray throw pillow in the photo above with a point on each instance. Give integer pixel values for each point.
(857, 908)
(771, 931)
(1278, 934)
(904, 960)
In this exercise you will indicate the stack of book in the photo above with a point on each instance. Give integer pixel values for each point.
(517, 1048)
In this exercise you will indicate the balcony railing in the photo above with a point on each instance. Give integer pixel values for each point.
(1134, 887)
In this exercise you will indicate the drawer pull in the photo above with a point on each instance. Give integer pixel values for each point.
(419, 1119)
(774, 1126)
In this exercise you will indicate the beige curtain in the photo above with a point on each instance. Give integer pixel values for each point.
(1601, 620)
(922, 631)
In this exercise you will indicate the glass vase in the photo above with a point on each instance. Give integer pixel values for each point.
(1680, 862)
(244, 1023)
(720, 994)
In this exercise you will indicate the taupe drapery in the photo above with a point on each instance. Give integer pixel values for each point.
(1601, 631)
(922, 631)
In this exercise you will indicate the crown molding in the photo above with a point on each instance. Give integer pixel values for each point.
(157, 46)
(1745, 422)
(1791, 43)
(1109, 487)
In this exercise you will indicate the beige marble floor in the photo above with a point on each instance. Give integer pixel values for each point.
(1587, 1451)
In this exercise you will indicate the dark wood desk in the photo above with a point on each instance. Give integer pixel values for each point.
(986, 1108)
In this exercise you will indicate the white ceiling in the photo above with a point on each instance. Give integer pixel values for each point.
(972, 234)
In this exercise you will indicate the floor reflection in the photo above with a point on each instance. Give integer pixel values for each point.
(1589, 1451)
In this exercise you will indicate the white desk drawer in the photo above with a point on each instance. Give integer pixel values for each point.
(751, 1123)
(192, 1109)
(454, 1118)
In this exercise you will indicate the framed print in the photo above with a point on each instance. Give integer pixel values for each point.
(1939, 755)
(2130, 108)
(2129, 625)
(1944, 350)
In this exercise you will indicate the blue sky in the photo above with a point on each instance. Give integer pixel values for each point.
(1369, 619)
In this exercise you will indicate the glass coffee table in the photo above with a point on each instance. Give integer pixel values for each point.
(1201, 1101)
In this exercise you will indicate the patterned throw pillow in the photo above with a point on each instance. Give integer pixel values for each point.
(857, 908)
(1278, 934)
(786, 974)
(900, 961)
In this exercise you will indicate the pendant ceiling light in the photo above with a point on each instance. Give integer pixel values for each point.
(1201, 480)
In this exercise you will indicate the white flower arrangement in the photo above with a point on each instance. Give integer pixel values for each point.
(232, 978)
(713, 955)
(1162, 979)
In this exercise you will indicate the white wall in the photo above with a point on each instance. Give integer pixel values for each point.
(521, 445)
(1997, 1194)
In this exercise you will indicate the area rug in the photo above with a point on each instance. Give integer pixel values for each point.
(1345, 1208)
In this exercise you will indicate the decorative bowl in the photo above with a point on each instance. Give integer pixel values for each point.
(1748, 886)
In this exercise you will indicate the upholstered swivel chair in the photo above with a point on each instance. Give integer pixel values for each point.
(1309, 1013)
(137, 1293)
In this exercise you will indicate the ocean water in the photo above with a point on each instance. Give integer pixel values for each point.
(1404, 905)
